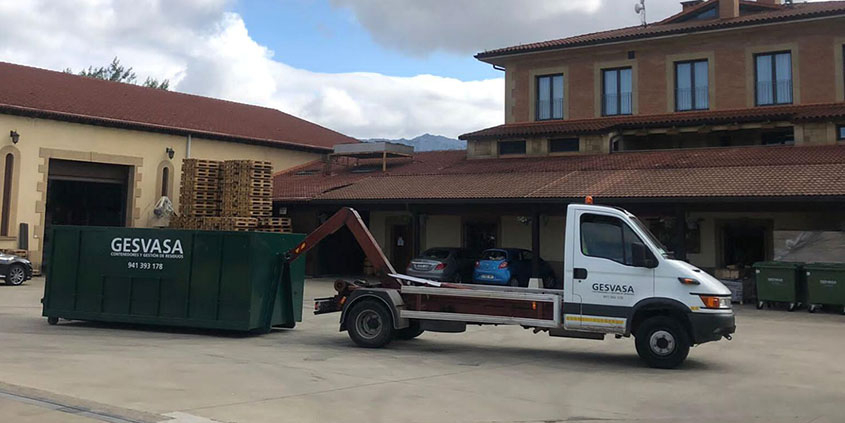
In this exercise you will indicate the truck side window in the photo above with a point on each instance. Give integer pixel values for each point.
(607, 237)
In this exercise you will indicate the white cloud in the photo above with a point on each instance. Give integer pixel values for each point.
(468, 26)
(204, 49)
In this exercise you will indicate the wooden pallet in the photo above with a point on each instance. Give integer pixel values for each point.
(196, 196)
(200, 163)
(15, 252)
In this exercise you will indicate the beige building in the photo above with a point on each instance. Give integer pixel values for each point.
(76, 150)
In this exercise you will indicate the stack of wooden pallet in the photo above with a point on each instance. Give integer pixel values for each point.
(199, 195)
(234, 195)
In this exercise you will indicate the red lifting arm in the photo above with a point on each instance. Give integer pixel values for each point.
(351, 219)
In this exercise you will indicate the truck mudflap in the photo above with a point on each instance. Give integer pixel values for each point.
(707, 327)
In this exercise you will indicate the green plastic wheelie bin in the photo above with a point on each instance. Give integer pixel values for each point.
(825, 285)
(780, 282)
(234, 281)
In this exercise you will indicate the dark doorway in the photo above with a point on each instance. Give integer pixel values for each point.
(85, 193)
(401, 246)
(86, 203)
(340, 254)
(479, 236)
(745, 242)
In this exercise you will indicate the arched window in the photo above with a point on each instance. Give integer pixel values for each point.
(165, 179)
(7, 194)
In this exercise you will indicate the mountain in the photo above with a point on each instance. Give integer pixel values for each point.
(426, 142)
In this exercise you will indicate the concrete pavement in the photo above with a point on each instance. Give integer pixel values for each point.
(780, 367)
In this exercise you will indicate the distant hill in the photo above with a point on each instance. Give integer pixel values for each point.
(427, 142)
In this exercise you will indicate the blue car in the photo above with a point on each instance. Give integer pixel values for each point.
(510, 266)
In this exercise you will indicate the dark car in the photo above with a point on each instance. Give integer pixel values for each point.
(510, 266)
(443, 264)
(14, 269)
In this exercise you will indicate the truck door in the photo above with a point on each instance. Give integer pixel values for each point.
(605, 278)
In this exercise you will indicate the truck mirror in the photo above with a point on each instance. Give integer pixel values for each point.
(642, 257)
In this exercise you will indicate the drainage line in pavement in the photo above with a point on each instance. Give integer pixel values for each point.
(79, 411)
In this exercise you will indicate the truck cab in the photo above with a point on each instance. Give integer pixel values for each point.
(618, 279)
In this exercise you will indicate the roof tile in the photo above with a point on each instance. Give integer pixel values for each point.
(61, 95)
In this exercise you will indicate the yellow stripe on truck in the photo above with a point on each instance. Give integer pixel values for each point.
(595, 320)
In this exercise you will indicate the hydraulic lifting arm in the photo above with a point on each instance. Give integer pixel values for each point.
(350, 218)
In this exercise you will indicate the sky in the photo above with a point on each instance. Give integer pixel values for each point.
(365, 68)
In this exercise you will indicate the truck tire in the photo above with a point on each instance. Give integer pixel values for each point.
(370, 324)
(662, 342)
(412, 331)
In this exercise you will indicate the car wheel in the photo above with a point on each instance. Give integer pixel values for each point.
(16, 275)
(412, 331)
(662, 342)
(370, 324)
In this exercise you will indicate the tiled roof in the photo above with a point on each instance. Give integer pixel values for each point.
(605, 124)
(785, 13)
(57, 95)
(741, 172)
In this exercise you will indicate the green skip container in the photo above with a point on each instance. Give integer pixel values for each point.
(201, 279)
(780, 282)
(825, 285)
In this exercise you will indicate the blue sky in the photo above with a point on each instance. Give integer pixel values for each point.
(314, 35)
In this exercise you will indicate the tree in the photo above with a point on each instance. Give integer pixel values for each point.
(119, 73)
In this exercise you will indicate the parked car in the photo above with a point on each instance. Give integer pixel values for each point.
(443, 264)
(510, 266)
(16, 270)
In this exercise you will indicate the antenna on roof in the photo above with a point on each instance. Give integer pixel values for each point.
(640, 9)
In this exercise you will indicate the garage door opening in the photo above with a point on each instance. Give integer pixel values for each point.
(83, 193)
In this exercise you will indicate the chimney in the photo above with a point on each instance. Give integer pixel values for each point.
(690, 3)
(728, 9)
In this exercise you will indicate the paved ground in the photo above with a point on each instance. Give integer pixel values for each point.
(780, 367)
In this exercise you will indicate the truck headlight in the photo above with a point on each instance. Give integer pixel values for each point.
(714, 302)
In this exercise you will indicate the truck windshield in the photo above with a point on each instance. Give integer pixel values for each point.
(661, 249)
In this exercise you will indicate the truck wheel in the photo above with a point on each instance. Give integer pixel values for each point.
(812, 308)
(370, 324)
(52, 321)
(412, 331)
(791, 307)
(16, 275)
(760, 305)
(662, 342)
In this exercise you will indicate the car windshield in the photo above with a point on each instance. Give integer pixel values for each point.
(435, 254)
(496, 255)
(644, 229)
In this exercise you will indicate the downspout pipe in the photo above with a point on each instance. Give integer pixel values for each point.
(188, 147)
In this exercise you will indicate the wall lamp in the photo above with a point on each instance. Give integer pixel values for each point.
(15, 136)
(170, 152)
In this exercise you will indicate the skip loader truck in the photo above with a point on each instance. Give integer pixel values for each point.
(618, 279)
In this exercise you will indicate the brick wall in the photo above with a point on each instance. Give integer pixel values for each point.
(813, 45)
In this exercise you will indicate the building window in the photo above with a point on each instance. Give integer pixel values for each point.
(511, 147)
(7, 195)
(840, 132)
(773, 78)
(165, 180)
(692, 87)
(564, 145)
(617, 91)
(550, 97)
(785, 136)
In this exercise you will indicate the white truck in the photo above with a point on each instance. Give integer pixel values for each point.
(617, 279)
